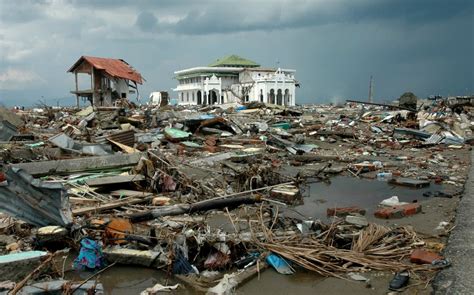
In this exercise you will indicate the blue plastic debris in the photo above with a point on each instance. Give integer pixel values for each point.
(90, 256)
(206, 117)
(181, 265)
(280, 264)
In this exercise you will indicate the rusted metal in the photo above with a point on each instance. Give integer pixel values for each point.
(125, 137)
(117, 68)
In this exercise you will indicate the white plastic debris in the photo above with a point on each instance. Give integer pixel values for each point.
(158, 288)
(357, 277)
(392, 201)
(226, 286)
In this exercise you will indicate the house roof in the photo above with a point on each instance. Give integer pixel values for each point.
(234, 61)
(116, 68)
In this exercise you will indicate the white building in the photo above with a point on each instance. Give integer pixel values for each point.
(158, 98)
(235, 79)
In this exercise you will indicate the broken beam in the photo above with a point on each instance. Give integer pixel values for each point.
(80, 164)
(110, 206)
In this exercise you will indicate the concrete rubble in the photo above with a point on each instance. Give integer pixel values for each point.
(195, 190)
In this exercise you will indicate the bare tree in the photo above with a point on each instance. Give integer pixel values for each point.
(244, 91)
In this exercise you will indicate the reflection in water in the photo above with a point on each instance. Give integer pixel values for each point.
(346, 191)
(127, 279)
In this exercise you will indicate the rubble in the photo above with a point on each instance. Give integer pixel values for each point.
(12, 266)
(212, 195)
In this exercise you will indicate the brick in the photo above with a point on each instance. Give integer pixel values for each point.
(421, 256)
(344, 211)
(389, 213)
(398, 211)
(411, 209)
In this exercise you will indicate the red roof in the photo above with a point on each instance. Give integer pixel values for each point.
(116, 68)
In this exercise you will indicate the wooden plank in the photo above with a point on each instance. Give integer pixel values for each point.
(409, 182)
(110, 206)
(80, 164)
(129, 193)
(114, 179)
(76, 200)
(125, 148)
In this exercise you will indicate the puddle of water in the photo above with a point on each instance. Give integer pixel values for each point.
(345, 191)
(124, 280)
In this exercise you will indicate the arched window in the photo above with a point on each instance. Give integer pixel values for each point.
(199, 97)
(279, 97)
(287, 97)
(271, 98)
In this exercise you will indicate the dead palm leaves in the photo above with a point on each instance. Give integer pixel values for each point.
(374, 247)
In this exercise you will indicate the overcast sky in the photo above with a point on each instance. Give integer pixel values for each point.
(426, 47)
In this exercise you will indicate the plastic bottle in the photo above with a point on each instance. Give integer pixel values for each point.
(384, 176)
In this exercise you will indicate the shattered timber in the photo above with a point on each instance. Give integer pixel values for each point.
(213, 198)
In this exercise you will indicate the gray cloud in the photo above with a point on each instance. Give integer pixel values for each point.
(423, 46)
(147, 21)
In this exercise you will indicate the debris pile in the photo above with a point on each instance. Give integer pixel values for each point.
(205, 193)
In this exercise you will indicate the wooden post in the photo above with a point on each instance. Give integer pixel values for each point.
(93, 86)
(77, 89)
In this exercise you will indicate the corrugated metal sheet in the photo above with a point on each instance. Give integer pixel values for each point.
(124, 137)
(66, 143)
(434, 139)
(34, 201)
(7, 130)
(114, 67)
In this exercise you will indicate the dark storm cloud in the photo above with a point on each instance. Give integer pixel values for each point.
(334, 45)
(141, 4)
(211, 17)
(223, 18)
(415, 11)
(147, 21)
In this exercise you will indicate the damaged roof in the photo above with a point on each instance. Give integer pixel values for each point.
(117, 68)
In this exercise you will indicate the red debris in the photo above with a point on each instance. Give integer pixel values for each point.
(421, 256)
(398, 211)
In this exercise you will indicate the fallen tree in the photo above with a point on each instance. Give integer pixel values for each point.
(178, 209)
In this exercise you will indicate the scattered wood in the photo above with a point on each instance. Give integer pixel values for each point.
(216, 203)
(110, 206)
(125, 148)
(129, 193)
(109, 180)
